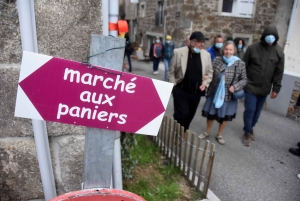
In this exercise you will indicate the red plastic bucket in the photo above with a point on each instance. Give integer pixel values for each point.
(99, 195)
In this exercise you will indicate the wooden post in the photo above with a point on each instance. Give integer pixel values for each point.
(176, 144)
(202, 162)
(171, 123)
(173, 130)
(190, 156)
(159, 133)
(165, 136)
(209, 168)
(99, 143)
(187, 134)
(196, 160)
(180, 146)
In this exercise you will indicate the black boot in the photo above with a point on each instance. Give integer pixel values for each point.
(295, 151)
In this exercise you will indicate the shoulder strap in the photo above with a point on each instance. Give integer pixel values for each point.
(233, 76)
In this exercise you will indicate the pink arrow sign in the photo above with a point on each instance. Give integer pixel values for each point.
(65, 91)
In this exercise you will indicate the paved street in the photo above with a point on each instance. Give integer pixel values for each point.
(265, 170)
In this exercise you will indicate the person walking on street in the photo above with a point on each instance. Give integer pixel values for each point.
(264, 66)
(128, 51)
(189, 66)
(215, 49)
(156, 54)
(240, 44)
(295, 151)
(167, 52)
(229, 74)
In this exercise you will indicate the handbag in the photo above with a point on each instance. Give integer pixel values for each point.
(237, 94)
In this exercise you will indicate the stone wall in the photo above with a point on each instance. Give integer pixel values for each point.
(63, 30)
(147, 23)
(205, 18)
(294, 110)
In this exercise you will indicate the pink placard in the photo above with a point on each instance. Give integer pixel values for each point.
(69, 92)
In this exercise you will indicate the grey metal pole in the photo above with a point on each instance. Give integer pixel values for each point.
(287, 41)
(117, 165)
(105, 12)
(29, 43)
(100, 143)
(105, 32)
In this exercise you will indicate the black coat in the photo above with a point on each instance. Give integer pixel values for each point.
(264, 65)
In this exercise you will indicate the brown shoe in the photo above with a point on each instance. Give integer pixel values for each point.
(252, 136)
(246, 140)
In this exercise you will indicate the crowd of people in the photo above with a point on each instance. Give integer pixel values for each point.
(224, 73)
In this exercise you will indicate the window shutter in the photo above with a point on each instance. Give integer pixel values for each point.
(244, 8)
(157, 18)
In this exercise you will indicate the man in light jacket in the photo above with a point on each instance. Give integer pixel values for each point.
(190, 72)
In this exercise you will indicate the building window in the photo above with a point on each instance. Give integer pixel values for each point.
(237, 8)
(142, 9)
(159, 18)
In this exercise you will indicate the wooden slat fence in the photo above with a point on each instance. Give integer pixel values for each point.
(180, 149)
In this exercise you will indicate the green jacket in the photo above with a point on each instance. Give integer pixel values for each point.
(264, 65)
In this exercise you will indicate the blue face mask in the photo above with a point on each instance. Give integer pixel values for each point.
(168, 41)
(240, 46)
(219, 45)
(270, 39)
(196, 50)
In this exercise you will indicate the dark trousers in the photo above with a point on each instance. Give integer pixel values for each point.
(129, 60)
(185, 106)
(155, 63)
(253, 107)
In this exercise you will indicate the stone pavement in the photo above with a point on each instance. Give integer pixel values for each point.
(265, 170)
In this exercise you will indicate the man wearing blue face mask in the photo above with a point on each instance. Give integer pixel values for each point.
(264, 66)
(214, 50)
(190, 72)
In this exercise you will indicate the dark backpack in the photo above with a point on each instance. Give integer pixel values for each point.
(129, 48)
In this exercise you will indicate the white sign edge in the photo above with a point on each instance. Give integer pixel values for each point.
(24, 107)
(152, 127)
(164, 91)
(31, 62)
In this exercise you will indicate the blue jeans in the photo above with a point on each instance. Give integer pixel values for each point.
(167, 64)
(155, 63)
(253, 107)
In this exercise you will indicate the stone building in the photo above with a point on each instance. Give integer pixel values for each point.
(230, 18)
(179, 18)
(63, 30)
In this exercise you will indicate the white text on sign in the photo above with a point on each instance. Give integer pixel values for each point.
(92, 97)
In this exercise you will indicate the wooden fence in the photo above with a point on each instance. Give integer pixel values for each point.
(179, 148)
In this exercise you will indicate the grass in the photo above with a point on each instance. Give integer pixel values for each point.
(154, 181)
